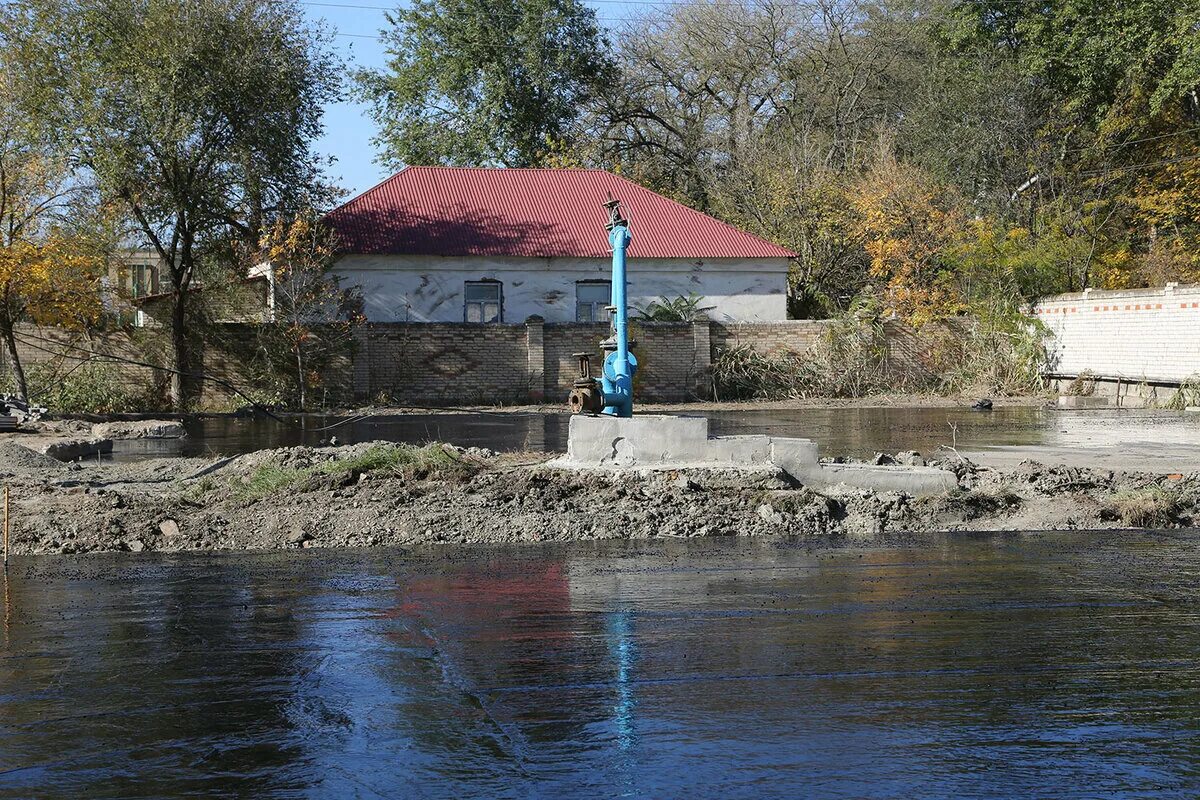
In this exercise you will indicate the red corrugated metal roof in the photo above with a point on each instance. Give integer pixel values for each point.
(477, 211)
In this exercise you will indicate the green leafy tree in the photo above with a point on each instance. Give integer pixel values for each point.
(195, 116)
(472, 82)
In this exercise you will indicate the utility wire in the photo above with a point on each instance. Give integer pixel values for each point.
(1136, 167)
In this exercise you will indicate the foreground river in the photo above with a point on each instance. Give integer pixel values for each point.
(1051, 666)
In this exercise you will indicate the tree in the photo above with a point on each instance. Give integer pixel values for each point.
(52, 282)
(1120, 87)
(313, 314)
(909, 223)
(764, 114)
(476, 83)
(195, 115)
(48, 273)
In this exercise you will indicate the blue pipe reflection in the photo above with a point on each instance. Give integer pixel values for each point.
(621, 644)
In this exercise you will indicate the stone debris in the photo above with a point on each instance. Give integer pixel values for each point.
(282, 498)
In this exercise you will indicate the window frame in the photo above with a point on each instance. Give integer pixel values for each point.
(599, 315)
(482, 304)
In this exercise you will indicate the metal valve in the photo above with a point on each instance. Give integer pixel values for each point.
(587, 396)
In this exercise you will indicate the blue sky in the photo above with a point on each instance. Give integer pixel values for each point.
(348, 129)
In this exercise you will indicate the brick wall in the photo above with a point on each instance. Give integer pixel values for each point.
(1150, 335)
(768, 337)
(458, 363)
(443, 362)
(561, 340)
(58, 351)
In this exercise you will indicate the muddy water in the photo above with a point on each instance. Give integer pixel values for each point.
(856, 432)
(1056, 666)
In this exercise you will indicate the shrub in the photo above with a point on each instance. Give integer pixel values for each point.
(1084, 385)
(999, 350)
(92, 387)
(1187, 395)
(678, 309)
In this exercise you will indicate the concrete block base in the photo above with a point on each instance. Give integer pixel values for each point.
(1082, 401)
(676, 442)
(72, 449)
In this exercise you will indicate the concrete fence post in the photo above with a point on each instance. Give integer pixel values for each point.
(535, 344)
(702, 356)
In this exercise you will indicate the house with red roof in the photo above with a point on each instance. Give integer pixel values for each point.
(487, 245)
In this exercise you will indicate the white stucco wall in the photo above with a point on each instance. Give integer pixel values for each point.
(430, 288)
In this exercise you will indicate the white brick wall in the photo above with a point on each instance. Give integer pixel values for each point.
(1137, 334)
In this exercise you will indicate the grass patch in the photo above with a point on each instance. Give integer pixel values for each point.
(1145, 508)
(268, 479)
(397, 459)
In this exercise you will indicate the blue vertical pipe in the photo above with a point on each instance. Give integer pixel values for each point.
(619, 366)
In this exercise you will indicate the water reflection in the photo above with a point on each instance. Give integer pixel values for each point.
(857, 432)
(990, 666)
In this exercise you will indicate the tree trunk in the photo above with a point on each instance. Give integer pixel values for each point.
(10, 342)
(179, 351)
(300, 376)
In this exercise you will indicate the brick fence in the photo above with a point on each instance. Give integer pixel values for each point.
(1139, 335)
(446, 363)
(461, 363)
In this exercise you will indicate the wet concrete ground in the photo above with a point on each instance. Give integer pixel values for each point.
(1128, 439)
(1050, 666)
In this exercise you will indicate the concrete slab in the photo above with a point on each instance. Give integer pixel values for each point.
(636, 441)
(677, 442)
(68, 449)
(914, 481)
(1082, 401)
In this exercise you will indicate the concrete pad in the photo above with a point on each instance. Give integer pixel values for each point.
(794, 455)
(636, 441)
(72, 449)
(669, 442)
(1082, 401)
(741, 450)
(914, 481)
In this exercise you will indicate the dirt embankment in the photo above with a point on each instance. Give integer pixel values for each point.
(381, 494)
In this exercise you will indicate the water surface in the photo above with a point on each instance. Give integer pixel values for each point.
(1055, 666)
(854, 432)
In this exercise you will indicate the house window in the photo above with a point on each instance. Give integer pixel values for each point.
(145, 280)
(591, 300)
(482, 301)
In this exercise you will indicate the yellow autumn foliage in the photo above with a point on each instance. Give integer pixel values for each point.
(52, 282)
(907, 223)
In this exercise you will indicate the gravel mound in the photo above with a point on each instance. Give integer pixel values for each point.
(15, 457)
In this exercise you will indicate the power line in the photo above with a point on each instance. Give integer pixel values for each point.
(1116, 145)
(1134, 167)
